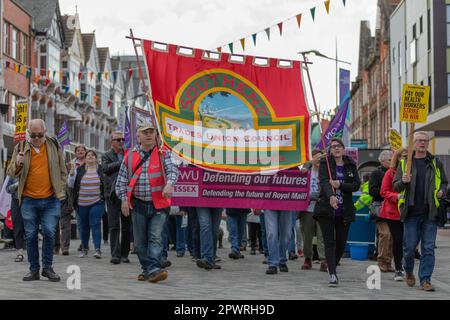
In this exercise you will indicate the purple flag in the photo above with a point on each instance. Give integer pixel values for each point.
(127, 130)
(337, 125)
(344, 83)
(63, 135)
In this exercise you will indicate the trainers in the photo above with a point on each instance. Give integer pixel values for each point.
(426, 286)
(272, 270)
(300, 253)
(51, 275)
(98, 254)
(203, 264)
(410, 279)
(334, 281)
(284, 268)
(390, 269)
(83, 254)
(65, 252)
(115, 260)
(399, 276)
(307, 265)
(216, 266)
(241, 256)
(293, 256)
(234, 255)
(253, 252)
(31, 276)
(143, 276)
(125, 259)
(323, 266)
(383, 267)
(217, 259)
(264, 261)
(166, 264)
(56, 251)
(158, 276)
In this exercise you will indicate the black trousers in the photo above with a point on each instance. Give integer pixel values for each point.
(17, 221)
(335, 234)
(396, 229)
(105, 226)
(254, 230)
(119, 229)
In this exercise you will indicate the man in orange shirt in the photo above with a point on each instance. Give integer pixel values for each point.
(39, 166)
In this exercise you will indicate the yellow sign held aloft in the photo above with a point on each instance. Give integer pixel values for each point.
(415, 102)
(395, 139)
(21, 121)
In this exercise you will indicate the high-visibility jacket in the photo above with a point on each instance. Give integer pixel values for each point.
(437, 180)
(365, 199)
(156, 178)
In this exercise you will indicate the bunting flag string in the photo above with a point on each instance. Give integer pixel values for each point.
(298, 17)
(29, 72)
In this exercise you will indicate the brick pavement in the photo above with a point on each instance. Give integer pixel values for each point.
(243, 279)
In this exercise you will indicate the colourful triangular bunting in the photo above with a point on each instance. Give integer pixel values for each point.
(268, 33)
(299, 19)
(313, 13)
(243, 44)
(230, 46)
(327, 6)
(254, 39)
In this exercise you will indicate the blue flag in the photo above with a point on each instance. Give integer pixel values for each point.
(63, 135)
(337, 125)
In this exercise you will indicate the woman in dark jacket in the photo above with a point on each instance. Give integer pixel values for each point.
(88, 200)
(335, 210)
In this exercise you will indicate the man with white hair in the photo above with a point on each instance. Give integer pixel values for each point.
(420, 192)
(39, 165)
(384, 235)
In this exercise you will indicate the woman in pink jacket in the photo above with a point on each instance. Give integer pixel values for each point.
(389, 211)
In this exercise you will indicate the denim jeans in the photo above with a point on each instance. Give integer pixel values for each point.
(423, 230)
(91, 219)
(181, 235)
(44, 212)
(294, 235)
(237, 222)
(147, 228)
(165, 239)
(209, 220)
(278, 228)
(194, 232)
(264, 235)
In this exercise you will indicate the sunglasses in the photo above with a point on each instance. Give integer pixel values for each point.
(36, 135)
(119, 140)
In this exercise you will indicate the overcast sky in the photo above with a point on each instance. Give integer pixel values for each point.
(207, 24)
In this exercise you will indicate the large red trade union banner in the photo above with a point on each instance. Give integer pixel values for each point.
(227, 113)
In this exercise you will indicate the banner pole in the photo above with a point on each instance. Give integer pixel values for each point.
(159, 143)
(412, 128)
(318, 114)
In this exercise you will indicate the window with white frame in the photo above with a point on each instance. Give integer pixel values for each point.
(6, 37)
(15, 44)
(24, 48)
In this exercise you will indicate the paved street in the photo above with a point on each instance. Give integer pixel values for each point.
(243, 279)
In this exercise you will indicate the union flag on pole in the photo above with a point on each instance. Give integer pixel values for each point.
(227, 113)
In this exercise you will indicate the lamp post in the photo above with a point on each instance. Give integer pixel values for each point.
(319, 54)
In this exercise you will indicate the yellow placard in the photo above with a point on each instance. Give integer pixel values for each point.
(395, 139)
(415, 101)
(21, 121)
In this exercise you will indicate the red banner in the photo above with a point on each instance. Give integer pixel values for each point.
(227, 115)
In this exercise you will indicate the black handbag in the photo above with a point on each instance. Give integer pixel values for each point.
(374, 210)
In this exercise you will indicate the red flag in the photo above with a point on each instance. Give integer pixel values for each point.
(130, 73)
(269, 101)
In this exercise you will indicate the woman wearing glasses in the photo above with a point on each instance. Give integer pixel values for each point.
(335, 210)
(88, 200)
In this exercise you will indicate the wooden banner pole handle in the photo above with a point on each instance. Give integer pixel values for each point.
(410, 147)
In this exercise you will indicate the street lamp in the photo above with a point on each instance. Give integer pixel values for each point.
(319, 54)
